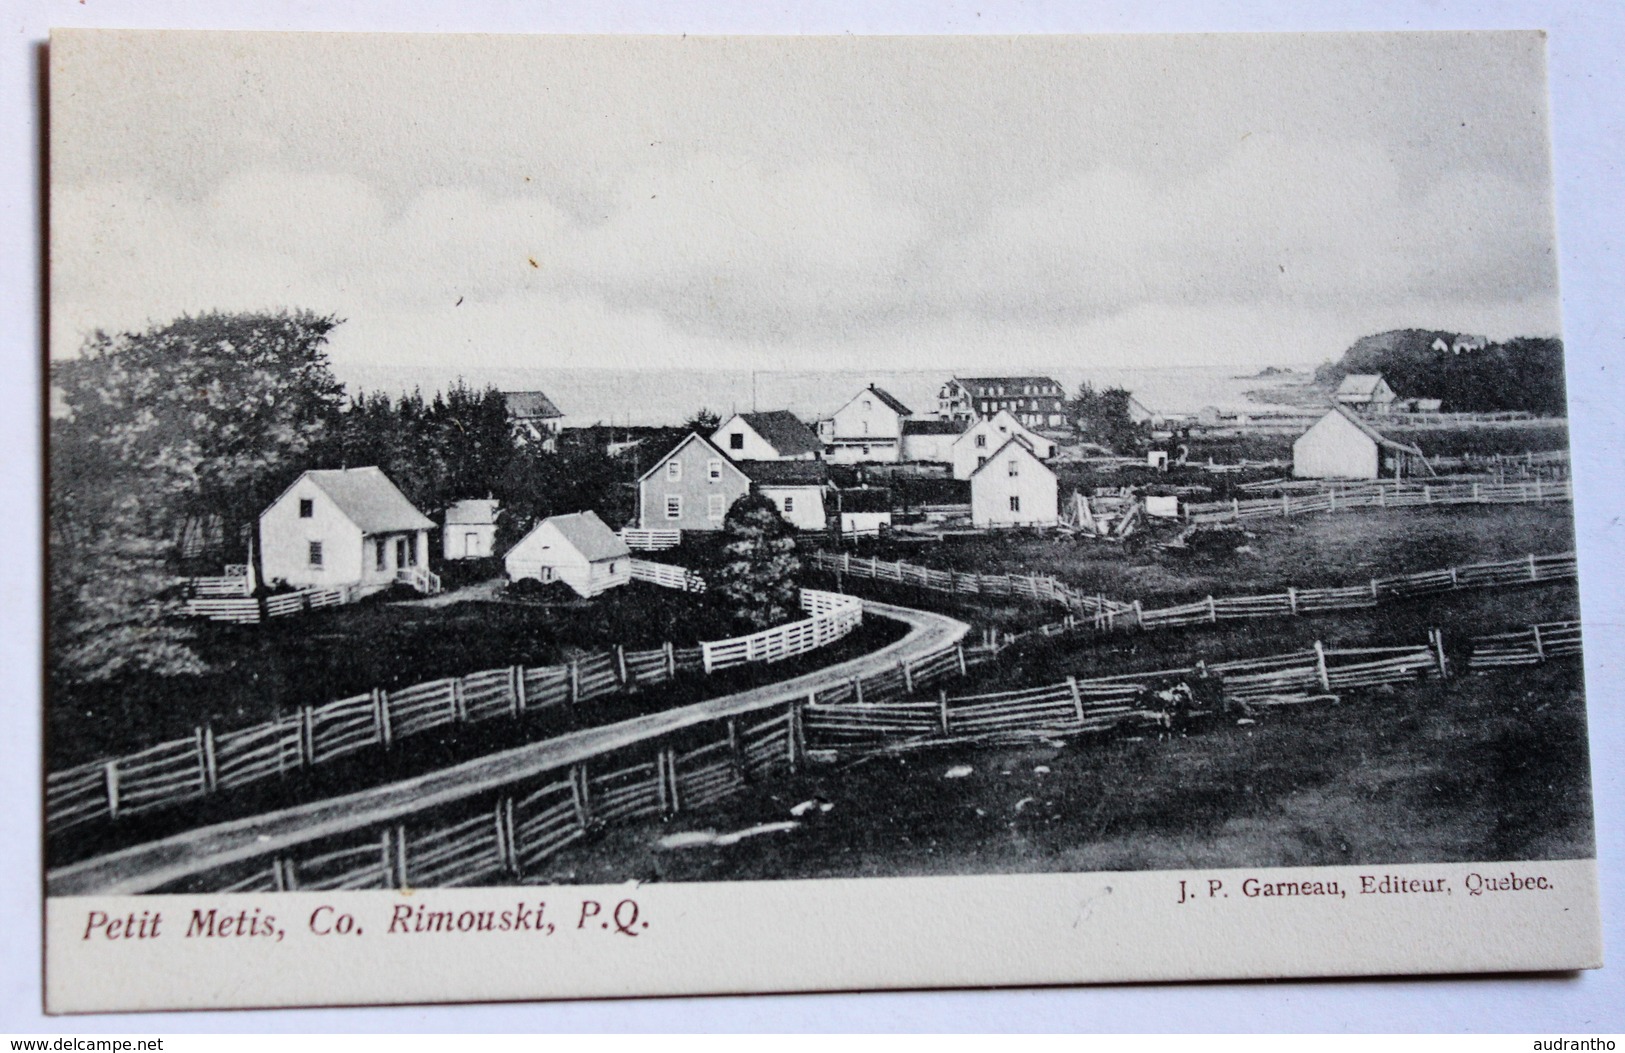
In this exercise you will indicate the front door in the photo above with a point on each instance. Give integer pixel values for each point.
(471, 545)
(400, 552)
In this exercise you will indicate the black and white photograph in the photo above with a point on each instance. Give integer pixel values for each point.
(558, 463)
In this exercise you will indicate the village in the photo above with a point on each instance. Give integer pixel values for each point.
(975, 583)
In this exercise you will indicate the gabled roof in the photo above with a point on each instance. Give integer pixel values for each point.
(1371, 432)
(530, 405)
(1360, 384)
(889, 399)
(993, 457)
(982, 386)
(782, 430)
(472, 512)
(786, 473)
(368, 499)
(588, 535)
(933, 427)
(693, 436)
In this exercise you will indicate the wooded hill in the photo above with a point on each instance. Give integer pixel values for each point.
(1525, 373)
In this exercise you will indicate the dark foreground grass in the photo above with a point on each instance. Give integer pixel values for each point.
(1476, 769)
(259, 672)
(453, 744)
(1326, 549)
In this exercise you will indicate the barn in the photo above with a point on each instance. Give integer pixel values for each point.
(345, 526)
(1343, 445)
(577, 549)
(1014, 488)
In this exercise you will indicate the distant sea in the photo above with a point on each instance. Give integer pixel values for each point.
(670, 396)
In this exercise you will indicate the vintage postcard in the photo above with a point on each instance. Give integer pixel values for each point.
(541, 517)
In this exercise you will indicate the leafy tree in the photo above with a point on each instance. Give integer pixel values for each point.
(705, 422)
(755, 579)
(536, 484)
(1525, 373)
(204, 419)
(1103, 417)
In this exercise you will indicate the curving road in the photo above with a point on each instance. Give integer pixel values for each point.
(143, 868)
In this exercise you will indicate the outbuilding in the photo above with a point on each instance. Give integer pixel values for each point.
(797, 489)
(1014, 488)
(577, 549)
(1343, 445)
(1366, 391)
(471, 529)
(776, 435)
(345, 527)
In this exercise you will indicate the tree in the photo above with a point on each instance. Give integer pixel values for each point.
(705, 422)
(537, 484)
(1524, 373)
(756, 577)
(1103, 417)
(204, 419)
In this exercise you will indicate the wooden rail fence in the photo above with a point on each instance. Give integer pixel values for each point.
(1532, 646)
(651, 540)
(206, 763)
(1385, 495)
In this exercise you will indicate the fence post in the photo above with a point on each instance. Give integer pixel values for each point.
(517, 675)
(380, 710)
(506, 831)
(857, 688)
(1437, 636)
(575, 680)
(1534, 573)
(794, 731)
(1475, 493)
(205, 759)
(110, 781)
(1427, 494)
(959, 651)
(578, 794)
(671, 660)
(1212, 610)
(400, 876)
(1373, 590)
(942, 710)
(1077, 698)
(1286, 506)
(1540, 645)
(620, 665)
(671, 774)
(307, 737)
(1292, 600)
(660, 782)
(1320, 667)
(1331, 500)
(1537, 490)
(1235, 508)
(1139, 615)
(459, 704)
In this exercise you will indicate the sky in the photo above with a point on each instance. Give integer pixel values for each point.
(966, 203)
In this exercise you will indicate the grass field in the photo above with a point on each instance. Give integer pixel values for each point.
(261, 671)
(1301, 551)
(1476, 769)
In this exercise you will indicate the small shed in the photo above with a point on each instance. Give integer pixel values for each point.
(577, 549)
(796, 488)
(470, 529)
(1343, 445)
(1366, 391)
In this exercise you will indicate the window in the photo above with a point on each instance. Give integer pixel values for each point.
(1015, 468)
(674, 506)
(736, 441)
(789, 504)
(713, 470)
(380, 558)
(315, 553)
(981, 441)
(307, 508)
(980, 461)
(674, 470)
(715, 506)
(1015, 502)
(866, 451)
(867, 405)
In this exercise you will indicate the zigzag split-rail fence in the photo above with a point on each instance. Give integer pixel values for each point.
(508, 836)
(206, 763)
(1103, 614)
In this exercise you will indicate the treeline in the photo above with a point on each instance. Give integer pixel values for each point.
(183, 433)
(1525, 373)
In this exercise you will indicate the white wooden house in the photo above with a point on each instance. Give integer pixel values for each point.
(930, 441)
(981, 439)
(345, 527)
(577, 549)
(1014, 488)
(800, 490)
(470, 530)
(776, 435)
(1342, 445)
(869, 428)
(1366, 391)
